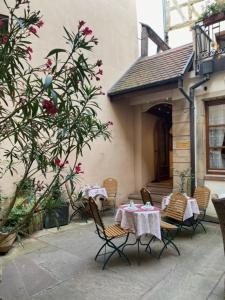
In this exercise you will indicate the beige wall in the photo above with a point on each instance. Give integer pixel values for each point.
(114, 23)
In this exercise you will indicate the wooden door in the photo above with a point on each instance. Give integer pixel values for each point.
(162, 150)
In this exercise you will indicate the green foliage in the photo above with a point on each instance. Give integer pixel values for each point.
(212, 9)
(48, 113)
(26, 188)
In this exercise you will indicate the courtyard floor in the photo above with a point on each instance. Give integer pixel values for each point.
(60, 265)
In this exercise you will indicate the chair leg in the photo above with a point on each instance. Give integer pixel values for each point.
(110, 244)
(116, 249)
(167, 240)
(99, 251)
(199, 222)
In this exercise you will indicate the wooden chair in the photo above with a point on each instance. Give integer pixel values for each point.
(219, 205)
(111, 186)
(202, 196)
(146, 196)
(108, 234)
(174, 215)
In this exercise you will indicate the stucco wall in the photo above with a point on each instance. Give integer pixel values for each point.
(114, 23)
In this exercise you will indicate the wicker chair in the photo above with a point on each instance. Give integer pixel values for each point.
(146, 196)
(202, 196)
(219, 205)
(111, 185)
(173, 214)
(108, 234)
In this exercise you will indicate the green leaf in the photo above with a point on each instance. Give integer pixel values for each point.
(55, 51)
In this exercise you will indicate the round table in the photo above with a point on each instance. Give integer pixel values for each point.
(139, 220)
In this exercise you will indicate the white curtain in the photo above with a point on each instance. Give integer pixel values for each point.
(217, 139)
(217, 136)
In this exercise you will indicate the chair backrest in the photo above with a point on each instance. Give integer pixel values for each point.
(176, 207)
(146, 196)
(202, 196)
(219, 205)
(111, 185)
(95, 214)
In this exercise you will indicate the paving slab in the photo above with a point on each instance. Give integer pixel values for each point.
(60, 265)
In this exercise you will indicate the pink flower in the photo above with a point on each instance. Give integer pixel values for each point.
(32, 29)
(97, 78)
(49, 63)
(110, 123)
(77, 169)
(40, 23)
(87, 31)
(5, 39)
(29, 49)
(99, 63)
(59, 163)
(49, 107)
(81, 23)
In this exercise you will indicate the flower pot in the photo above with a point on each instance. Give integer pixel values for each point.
(214, 19)
(6, 242)
(58, 217)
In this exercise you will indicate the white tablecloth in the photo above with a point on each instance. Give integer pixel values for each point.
(191, 209)
(139, 221)
(94, 192)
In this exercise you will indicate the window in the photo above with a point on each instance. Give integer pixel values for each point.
(215, 136)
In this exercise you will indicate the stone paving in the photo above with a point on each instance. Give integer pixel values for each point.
(60, 265)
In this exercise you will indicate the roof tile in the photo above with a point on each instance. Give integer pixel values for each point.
(153, 69)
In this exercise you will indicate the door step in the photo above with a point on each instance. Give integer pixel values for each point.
(157, 189)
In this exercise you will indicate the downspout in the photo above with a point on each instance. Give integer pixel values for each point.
(191, 99)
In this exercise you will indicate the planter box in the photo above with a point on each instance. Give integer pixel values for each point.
(214, 19)
(60, 213)
(36, 223)
(6, 243)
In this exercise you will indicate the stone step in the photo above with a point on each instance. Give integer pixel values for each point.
(156, 198)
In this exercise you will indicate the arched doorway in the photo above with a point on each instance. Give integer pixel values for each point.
(162, 141)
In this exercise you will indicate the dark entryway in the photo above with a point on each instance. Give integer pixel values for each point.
(162, 140)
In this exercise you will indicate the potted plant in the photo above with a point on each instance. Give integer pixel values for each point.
(56, 210)
(18, 212)
(183, 180)
(48, 112)
(213, 13)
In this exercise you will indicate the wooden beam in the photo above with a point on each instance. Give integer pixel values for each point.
(155, 38)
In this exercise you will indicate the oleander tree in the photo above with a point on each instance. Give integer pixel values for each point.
(48, 113)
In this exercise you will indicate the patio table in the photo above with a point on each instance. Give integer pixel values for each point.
(192, 209)
(97, 192)
(94, 192)
(140, 221)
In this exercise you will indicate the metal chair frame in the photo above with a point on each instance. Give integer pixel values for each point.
(202, 196)
(108, 241)
(173, 217)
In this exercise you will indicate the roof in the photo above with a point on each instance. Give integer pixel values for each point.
(162, 68)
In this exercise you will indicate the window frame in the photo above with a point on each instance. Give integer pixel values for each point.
(207, 126)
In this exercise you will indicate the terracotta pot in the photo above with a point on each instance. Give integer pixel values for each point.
(6, 243)
(214, 19)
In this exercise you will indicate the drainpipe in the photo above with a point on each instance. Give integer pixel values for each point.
(191, 100)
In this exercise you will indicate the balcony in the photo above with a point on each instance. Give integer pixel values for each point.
(209, 37)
